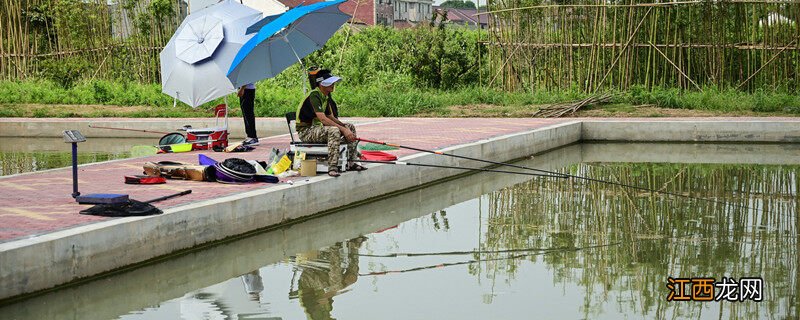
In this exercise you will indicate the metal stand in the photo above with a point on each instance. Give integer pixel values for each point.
(73, 137)
(75, 192)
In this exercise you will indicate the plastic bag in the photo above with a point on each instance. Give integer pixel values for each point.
(282, 165)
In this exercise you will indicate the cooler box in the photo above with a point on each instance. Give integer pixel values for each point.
(210, 138)
(207, 138)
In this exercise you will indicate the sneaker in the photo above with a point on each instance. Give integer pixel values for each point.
(250, 141)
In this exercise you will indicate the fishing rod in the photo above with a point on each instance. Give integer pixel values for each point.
(182, 193)
(460, 168)
(562, 175)
(457, 253)
(126, 129)
(517, 250)
(462, 157)
(510, 257)
(530, 253)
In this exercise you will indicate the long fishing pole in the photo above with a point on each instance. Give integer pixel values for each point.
(530, 252)
(182, 193)
(462, 157)
(126, 129)
(457, 253)
(510, 257)
(460, 168)
(474, 252)
(563, 175)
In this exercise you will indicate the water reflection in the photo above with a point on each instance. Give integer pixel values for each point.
(325, 274)
(754, 235)
(614, 244)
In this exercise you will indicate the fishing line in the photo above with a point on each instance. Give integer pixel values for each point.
(563, 175)
(541, 251)
(420, 254)
(460, 168)
(442, 265)
(461, 157)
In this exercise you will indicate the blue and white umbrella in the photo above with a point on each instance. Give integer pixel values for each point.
(284, 39)
(195, 61)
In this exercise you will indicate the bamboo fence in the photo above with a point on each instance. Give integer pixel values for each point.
(601, 45)
(74, 39)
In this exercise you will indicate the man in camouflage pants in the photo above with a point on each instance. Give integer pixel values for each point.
(318, 122)
(333, 137)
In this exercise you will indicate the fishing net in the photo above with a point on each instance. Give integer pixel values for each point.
(125, 209)
(172, 138)
(376, 147)
(239, 165)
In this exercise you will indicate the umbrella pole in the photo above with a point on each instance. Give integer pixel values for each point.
(226, 113)
(302, 66)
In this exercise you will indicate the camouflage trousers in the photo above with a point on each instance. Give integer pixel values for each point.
(333, 137)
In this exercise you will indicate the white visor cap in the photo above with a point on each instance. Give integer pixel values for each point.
(328, 82)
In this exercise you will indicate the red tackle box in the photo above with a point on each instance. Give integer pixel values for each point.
(210, 138)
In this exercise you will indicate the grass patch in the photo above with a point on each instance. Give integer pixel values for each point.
(397, 97)
(713, 99)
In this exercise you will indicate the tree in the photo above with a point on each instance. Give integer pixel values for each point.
(458, 4)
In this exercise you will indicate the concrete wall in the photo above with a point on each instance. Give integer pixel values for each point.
(728, 130)
(46, 261)
(54, 127)
(13, 127)
(762, 153)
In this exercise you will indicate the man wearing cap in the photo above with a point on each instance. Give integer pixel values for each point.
(318, 121)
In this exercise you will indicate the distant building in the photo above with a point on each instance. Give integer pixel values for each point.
(267, 7)
(122, 25)
(465, 17)
(413, 11)
(364, 12)
(398, 13)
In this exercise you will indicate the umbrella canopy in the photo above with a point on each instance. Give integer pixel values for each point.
(284, 39)
(198, 39)
(193, 67)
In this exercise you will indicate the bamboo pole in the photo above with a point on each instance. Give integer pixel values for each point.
(762, 67)
(633, 34)
(677, 68)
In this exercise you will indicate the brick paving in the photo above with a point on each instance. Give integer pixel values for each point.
(40, 203)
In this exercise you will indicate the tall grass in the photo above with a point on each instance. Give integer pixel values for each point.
(713, 99)
(394, 98)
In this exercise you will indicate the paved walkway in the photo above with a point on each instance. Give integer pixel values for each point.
(40, 203)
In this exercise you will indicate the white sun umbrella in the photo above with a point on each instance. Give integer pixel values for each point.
(196, 59)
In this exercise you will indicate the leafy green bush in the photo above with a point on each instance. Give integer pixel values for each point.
(434, 57)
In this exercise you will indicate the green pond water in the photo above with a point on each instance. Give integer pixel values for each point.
(22, 162)
(26, 154)
(493, 246)
(22, 155)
